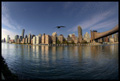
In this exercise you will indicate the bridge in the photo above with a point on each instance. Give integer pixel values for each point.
(97, 35)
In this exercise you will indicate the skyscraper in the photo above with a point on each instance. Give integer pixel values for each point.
(38, 39)
(26, 36)
(4, 40)
(115, 37)
(47, 39)
(26, 40)
(54, 37)
(29, 39)
(69, 39)
(8, 38)
(61, 38)
(16, 37)
(23, 31)
(43, 39)
(79, 33)
(21, 38)
(33, 36)
(34, 40)
(86, 37)
(73, 37)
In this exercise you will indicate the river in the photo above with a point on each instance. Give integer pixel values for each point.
(62, 62)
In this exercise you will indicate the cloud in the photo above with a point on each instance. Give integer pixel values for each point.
(96, 21)
(7, 20)
(109, 23)
(6, 32)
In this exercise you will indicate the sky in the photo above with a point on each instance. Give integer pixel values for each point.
(43, 17)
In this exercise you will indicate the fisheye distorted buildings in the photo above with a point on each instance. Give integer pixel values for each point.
(54, 39)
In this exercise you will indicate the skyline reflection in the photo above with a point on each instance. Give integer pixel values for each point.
(46, 61)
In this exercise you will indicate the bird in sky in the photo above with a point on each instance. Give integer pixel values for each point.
(60, 27)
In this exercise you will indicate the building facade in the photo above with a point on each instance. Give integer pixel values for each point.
(18, 41)
(23, 31)
(54, 38)
(26, 40)
(79, 34)
(86, 37)
(61, 38)
(69, 39)
(47, 39)
(38, 39)
(34, 40)
(23, 40)
(16, 37)
(29, 39)
(115, 36)
(43, 39)
(8, 39)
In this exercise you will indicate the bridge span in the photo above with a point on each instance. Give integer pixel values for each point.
(97, 35)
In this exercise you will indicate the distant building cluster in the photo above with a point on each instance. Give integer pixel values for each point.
(55, 39)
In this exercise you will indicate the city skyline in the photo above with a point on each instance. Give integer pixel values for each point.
(42, 17)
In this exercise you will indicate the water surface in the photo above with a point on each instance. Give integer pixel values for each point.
(62, 62)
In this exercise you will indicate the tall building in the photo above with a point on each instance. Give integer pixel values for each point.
(54, 37)
(23, 31)
(70, 35)
(38, 39)
(4, 40)
(29, 39)
(100, 40)
(106, 39)
(26, 36)
(26, 40)
(79, 33)
(86, 37)
(33, 36)
(34, 40)
(54, 34)
(47, 39)
(21, 38)
(110, 38)
(43, 39)
(115, 37)
(69, 39)
(8, 39)
(16, 37)
(18, 41)
(76, 40)
(61, 38)
(40, 35)
(73, 37)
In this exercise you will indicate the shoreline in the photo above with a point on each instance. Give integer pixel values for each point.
(5, 71)
(86, 44)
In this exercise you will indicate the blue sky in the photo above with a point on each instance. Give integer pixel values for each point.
(42, 17)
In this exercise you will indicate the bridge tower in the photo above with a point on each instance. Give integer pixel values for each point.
(93, 35)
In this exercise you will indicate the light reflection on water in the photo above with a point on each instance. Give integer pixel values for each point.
(62, 62)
